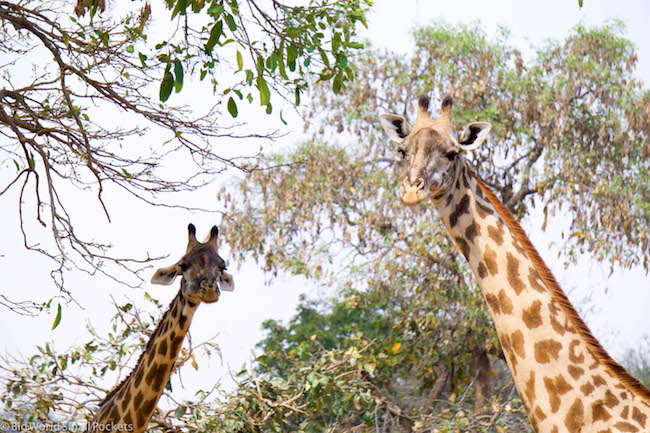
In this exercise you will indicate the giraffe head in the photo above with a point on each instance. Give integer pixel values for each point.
(203, 271)
(431, 148)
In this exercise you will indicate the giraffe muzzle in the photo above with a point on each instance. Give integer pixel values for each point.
(412, 193)
(210, 291)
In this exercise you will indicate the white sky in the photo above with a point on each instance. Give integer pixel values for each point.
(619, 319)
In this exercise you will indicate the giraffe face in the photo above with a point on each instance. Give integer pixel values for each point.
(203, 271)
(431, 149)
(431, 165)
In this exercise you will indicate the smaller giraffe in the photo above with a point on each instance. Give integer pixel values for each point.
(130, 405)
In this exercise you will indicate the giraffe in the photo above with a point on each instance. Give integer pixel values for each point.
(566, 380)
(130, 405)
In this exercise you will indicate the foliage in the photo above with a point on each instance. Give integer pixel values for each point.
(637, 361)
(67, 386)
(576, 102)
(295, 41)
(64, 76)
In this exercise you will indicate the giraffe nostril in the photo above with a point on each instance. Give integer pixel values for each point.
(419, 183)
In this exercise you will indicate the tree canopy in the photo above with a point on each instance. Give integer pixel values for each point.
(82, 96)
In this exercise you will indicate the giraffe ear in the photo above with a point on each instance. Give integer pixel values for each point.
(226, 283)
(474, 135)
(166, 276)
(396, 127)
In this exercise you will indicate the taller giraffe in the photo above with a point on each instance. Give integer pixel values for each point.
(130, 405)
(566, 380)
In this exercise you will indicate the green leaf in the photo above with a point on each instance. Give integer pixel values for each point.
(291, 54)
(142, 59)
(178, 72)
(269, 108)
(240, 61)
(231, 23)
(232, 107)
(323, 56)
(337, 84)
(166, 85)
(130, 49)
(180, 411)
(343, 61)
(181, 5)
(57, 319)
(249, 76)
(17, 165)
(215, 10)
(265, 94)
(215, 34)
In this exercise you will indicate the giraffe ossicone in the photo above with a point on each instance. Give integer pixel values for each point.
(566, 380)
(131, 404)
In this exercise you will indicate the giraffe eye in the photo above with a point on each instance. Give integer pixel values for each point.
(451, 156)
(184, 267)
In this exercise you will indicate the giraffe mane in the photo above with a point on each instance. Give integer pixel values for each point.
(117, 389)
(558, 295)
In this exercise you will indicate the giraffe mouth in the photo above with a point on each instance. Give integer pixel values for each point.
(209, 291)
(412, 194)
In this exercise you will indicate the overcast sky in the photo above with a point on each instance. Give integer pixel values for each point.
(619, 318)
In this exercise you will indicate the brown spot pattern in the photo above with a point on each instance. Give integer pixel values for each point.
(162, 348)
(557, 326)
(547, 350)
(482, 271)
(573, 354)
(138, 376)
(496, 234)
(625, 413)
(137, 400)
(599, 413)
(461, 208)
(472, 231)
(639, 417)
(513, 273)
(504, 302)
(574, 420)
(610, 399)
(556, 387)
(587, 388)
(530, 387)
(483, 210)
(490, 259)
(493, 302)
(625, 427)
(532, 316)
(517, 340)
(175, 345)
(599, 381)
(535, 281)
(575, 372)
(463, 246)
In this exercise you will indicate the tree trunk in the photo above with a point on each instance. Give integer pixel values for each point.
(481, 372)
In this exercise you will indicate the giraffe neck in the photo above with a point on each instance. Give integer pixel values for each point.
(564, 377)
(130, 405)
